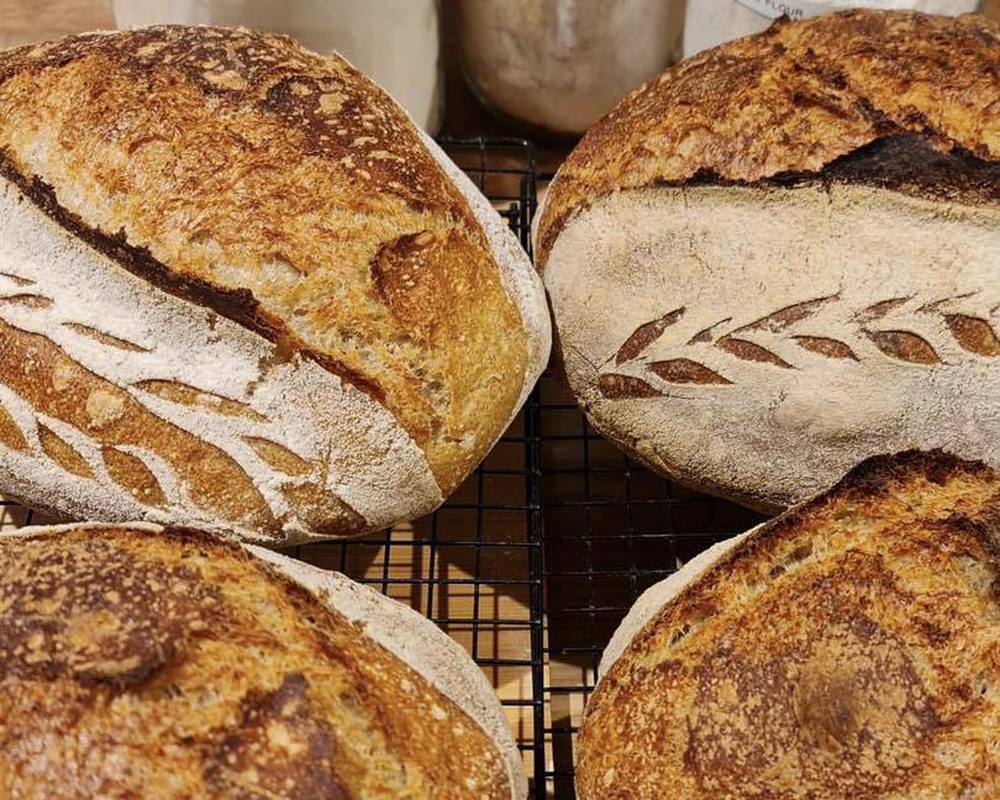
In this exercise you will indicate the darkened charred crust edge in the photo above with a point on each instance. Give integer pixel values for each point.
(238, 305)
(906, 164)
(874, 473)
(867, 482)
(909, 164)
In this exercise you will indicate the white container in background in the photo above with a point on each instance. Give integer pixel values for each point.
(711, 22)
(562, 64)
(395, 42)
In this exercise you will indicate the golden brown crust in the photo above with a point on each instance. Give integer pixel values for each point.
(791, 102)
(838, 652)
(173, 665)
(41, 373)
(238, 305)
(248, 175)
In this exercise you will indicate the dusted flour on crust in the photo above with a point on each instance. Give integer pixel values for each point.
(418, 642)
(779, 258)
(300, 320)
(790, 102)
(103, 415)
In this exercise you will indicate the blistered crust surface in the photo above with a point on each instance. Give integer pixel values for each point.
(792, 101)
(848, 648)
(517, 272)
(136, 663)
(287, 192)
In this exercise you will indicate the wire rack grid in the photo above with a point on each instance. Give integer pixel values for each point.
(474, 566)
(612, 530)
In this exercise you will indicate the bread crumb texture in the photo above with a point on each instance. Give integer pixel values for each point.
(287, 192)
(791, 101)
(849, 649)
(172, 665)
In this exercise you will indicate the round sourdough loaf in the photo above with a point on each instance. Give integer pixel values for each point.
(849, 648)
(140, 661)
(240, 289)
(783, 256)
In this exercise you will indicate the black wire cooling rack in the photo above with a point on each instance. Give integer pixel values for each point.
(612, 530)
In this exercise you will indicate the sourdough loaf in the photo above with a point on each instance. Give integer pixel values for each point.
(781, 256)
(239, 288)
(138, 661)
(848, 648)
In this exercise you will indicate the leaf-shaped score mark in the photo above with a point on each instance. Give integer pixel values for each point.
(905, 346)
(881, 308)
(645, 335)
(684, 370)
(621, 387)
(63, 454)
(105, 338)
(185, 395)
(786, 317)
(17, 280)
(26, 300)
(974, 334)
(10, 435)
(134, 477)
(831, 348)
(278, 457)
(748, 351)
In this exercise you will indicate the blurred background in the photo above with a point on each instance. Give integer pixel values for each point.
(542, 68)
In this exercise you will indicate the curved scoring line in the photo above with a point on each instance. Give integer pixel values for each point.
(17, 279)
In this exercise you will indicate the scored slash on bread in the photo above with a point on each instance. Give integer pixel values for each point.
(849, 647)
(788, 103)
(164, 663)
